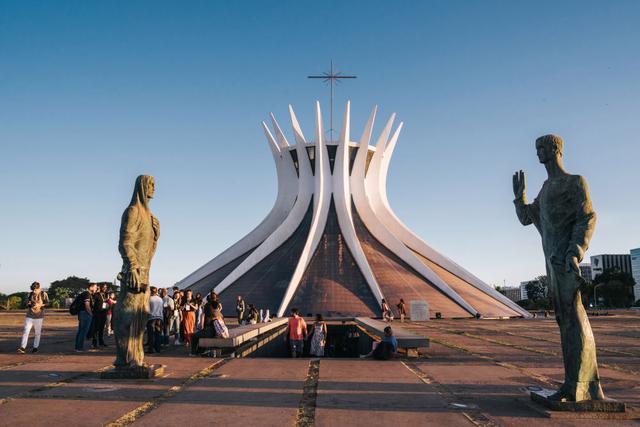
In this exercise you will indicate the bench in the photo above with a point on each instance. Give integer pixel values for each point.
(406, 339)
(242, 334)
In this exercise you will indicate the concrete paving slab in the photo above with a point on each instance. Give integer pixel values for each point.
(66, 412)
(241, 392)
(377, 393)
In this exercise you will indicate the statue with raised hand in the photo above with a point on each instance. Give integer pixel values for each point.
(563, 215)
(139, 233)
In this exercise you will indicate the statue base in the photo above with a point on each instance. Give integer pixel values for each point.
(135, 373)
(595, 409)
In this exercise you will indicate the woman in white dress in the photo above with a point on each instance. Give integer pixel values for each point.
(319, 338)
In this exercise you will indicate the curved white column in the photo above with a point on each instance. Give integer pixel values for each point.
(361, 188)
(322, 201)
(380, 204)
(293, 219)
(287, 191)
(342, 197)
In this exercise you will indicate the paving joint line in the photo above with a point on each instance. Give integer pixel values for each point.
(306, 416)
(148, 406)
(475, 415)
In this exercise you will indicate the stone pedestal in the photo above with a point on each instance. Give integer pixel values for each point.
(137, 373)
(597, 409)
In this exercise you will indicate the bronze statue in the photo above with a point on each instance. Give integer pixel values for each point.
(563, 215)
(139, 233)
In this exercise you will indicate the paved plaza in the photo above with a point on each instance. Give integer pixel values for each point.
(474, 373)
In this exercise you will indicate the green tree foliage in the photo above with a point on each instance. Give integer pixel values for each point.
(14, 301)
(76, 284)
(537, 289)
(617, 288)
(538, 295)
(58, 295)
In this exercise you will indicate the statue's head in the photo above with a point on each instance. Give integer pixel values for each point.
(143, 190)
(549, 148)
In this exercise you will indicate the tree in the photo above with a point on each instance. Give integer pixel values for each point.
(74, 283)
(14, 301)
(537, 289)
(58, 295)
(616, 288)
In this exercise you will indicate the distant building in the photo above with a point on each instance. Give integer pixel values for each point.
(635, 271)
(585, 272)
(514, 293)
(523, 290)
(599, 263)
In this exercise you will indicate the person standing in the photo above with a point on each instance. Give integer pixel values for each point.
(100, 308)
(402, 309)
(175, 322)
(213, 297)
(112, 302)
(85, 314)
(154, 324)
(200, 305)
(167, 315)
(253, 316)
(296, 333)
(189, 316)
(387, 314)
(240, 306)
(36, 302)
(319, 338)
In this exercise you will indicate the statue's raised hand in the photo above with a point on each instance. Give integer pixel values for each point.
(519, 184)
(134, 279)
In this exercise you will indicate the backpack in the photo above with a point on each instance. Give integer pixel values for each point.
(74, 308)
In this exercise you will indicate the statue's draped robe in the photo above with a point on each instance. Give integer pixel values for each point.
(139, 233)
(563, 215)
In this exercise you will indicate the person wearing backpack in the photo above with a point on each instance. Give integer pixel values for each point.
(82, 305)
(36, 301)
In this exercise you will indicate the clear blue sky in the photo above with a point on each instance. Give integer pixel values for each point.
(94, 93)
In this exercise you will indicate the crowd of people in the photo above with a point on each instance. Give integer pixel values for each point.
(186, 318)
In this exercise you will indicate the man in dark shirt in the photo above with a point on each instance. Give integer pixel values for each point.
(99, 308)
(85, 314)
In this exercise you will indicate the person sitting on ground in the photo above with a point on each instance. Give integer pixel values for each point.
(296, 333)
(253, 316)
(385, 349)
(36, 302)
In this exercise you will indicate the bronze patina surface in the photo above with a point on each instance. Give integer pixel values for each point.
(139, 233)
(565, 218)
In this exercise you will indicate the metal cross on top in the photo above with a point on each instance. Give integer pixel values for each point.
(332, 77)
